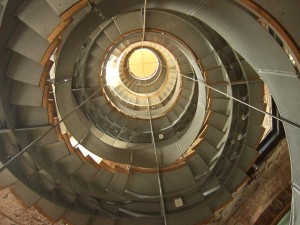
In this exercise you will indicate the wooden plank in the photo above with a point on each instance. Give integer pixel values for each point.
(58, 30)
(45, 96)
(68, 143)
(72, 10)
(51, 112)
(50, 51)
(45, 73)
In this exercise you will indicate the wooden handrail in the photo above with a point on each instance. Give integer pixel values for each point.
(58, 30)
(73, 9)
(50, 51)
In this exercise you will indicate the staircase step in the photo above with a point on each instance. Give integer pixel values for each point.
(112, 32)
(32, 116)
(53, 211)
(76, 218)
(47, 181)
(235, 179)
(104, 42)
(177, 180)
(20, 67)
(102, 179)
(60, 6)
(31, 45)
(55, 151)
(218, 121)
(6, 178)
(143, 207)
(85, 173)
(247, 157)
(191, 216)
(220, 199)
(214, 136)
(25, 194)
(198, 167)
(44, 20)
(215, 94)
(207, 151)
(160, 124)
(172, 116)
(254, 135)
(210, 61)
(28, 165)
(140, 184)
(26, 95)
(257, 117)
(69, 164)
(100, 101)
(118, 183)
(220, 105)
(97, 51)
(101, 221)
(215, 75)
(51, 137)
(92, 82)
(92, 72)
(123, 25)
(141, 220)
(65, 192)
(210, 187)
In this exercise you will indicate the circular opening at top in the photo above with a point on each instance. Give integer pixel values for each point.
(143, 63)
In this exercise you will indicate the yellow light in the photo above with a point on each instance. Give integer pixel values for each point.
(143, 63)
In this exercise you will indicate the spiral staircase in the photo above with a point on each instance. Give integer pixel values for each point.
(168, 146)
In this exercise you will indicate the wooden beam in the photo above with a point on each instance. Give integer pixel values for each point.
(68, 143)
(45, 96)
(73, 9)
(45, 73)
(51, 112)
(50, 51)
(58, 30)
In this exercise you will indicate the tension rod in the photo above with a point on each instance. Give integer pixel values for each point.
(296, 126)
(24, 150)
(162, 204)
(144, 21)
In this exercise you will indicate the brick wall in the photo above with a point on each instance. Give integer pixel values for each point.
(13, 213)
(270, 187)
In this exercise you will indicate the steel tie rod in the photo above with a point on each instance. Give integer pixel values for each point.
(24, 150)
(162, 204)
(285, 121)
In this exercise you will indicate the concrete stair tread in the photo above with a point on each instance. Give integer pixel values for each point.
(53, 211)
(26, 95)
(198, 166)
(45, 19)
(55, 151)
(118, 183)
(31, 45)
(25, 194)
(60, 6)
(19, 68)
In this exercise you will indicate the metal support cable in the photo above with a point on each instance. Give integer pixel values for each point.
(162, 204)
(144, 21)
(285, 121)
(24, 150)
